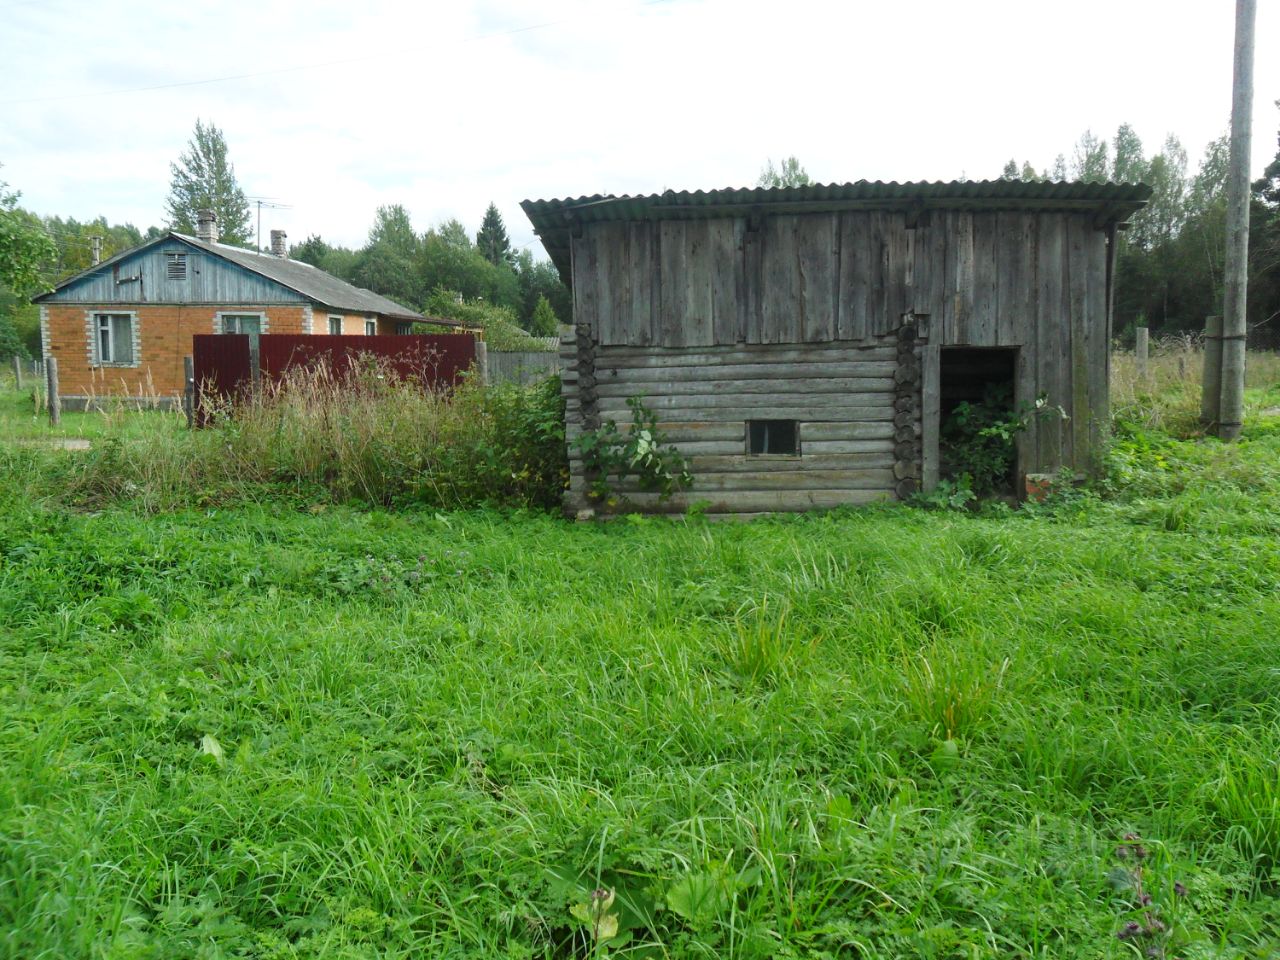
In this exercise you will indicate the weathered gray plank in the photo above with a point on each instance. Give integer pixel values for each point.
(1051, 322)
(672, 249)
(700, 269)
(1078, 231)
(766, 383)
(724, 245)
(817, 237)
(780, 296)
(620, 356)
(585, 274)
(961, 274)
(1097, 346)
(878, 370)
(757, 501)
(616, 409)
(875, 455)
(855, 281)
(752, 280)
(644, 283)
(930, 413)
(896, 265)
(986, 232)
(824, 430)
(799, 478)
(731, 402)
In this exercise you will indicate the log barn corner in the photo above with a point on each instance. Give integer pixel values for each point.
(801, 345)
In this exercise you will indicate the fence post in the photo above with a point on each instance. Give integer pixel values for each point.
(1141, 349)
(17, 373)
(482, 360)
(189, 390)
(54, 400)
(1211, 385)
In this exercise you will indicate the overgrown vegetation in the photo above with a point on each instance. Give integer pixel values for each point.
(302, 729)
(610, 457)
(373, 439)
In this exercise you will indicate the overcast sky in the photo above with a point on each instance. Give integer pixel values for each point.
(335, 108)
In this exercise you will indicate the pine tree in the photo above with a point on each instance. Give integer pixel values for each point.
(492, 238)
(544, 322)
(204, 179)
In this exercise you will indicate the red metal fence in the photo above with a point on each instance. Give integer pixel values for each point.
(222, 369)
(224, 365)
(434, 360)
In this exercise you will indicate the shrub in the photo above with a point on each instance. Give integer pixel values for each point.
(640, 453)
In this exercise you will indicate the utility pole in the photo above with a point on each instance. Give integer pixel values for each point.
(1236, 271)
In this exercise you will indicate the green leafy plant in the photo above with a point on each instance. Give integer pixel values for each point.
(610, 456)
(980, 440)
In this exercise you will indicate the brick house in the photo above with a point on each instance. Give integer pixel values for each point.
(123, 326)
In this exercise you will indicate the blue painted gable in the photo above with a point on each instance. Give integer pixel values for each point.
(143, 276)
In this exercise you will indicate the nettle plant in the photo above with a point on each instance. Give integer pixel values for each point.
(610, 456)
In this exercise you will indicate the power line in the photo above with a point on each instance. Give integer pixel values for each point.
(306, 66)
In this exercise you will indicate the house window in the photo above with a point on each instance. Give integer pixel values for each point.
(404, 329)
(250, 324)
(175, 265)
(371, 328)
(113, 337)
(778, 437)
(335, 326)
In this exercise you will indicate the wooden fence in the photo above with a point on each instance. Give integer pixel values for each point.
(522, 367)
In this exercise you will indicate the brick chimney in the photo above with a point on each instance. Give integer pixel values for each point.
(278, 246)
(207, 226)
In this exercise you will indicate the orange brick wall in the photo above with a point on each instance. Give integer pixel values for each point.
(165, 333)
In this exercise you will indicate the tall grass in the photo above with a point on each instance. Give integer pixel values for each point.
(371, 437)
(1168, 397)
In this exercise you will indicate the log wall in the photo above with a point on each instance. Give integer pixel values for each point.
(842, 395)
(748, 316)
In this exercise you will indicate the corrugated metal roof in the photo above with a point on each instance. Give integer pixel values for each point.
(311, 282)
(308, 281)
(553, 220)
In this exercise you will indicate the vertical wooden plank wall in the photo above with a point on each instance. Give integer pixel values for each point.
(1031, 280)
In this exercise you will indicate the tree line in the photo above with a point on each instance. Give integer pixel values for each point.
(1169, 272)
(1169, 265)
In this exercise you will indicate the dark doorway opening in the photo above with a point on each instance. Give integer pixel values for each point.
(976, 410)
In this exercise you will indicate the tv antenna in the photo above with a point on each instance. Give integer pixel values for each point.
(271, 203)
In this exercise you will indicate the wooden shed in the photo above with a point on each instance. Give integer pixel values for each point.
(801, 345)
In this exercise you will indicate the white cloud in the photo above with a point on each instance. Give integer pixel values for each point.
(444, 107)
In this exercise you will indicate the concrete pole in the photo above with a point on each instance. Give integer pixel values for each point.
(1236, 270)
(1211, 385)
(17, 373)
(482, 360)
(1141, 351)
(51, 388)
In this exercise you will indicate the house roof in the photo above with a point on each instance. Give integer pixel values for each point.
(304, 279)
(555, 220)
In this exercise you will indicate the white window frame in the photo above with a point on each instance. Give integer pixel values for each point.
(94, 319)
(222, 316)
(335, 320)
(370, 327)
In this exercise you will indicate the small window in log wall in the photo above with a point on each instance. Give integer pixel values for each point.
(777, 437)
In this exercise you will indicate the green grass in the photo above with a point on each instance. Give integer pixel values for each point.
(276, 732)
(295, 729)
(23, 419)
